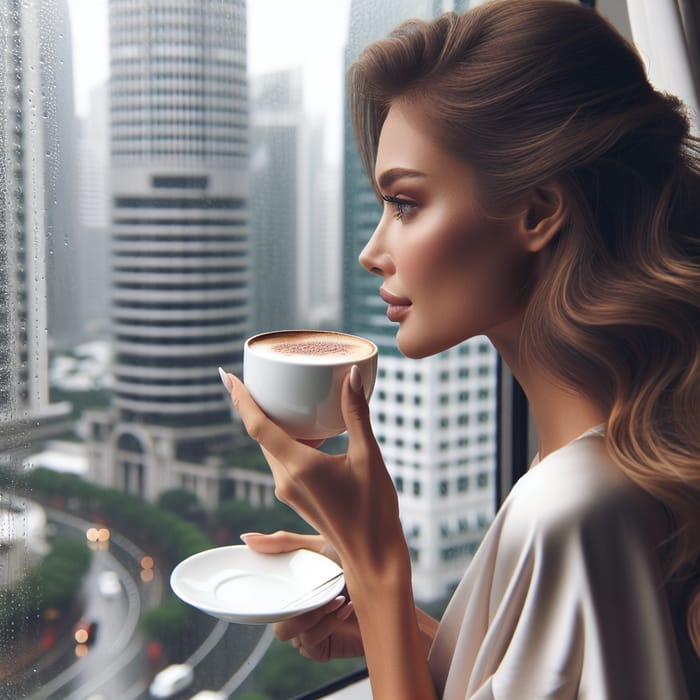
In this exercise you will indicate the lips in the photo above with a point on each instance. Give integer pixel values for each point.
(398, 306)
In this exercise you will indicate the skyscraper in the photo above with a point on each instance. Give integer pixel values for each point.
(180, 238)
(65, 318)
(295, 235)
(435, 419)
(94, 216)
(25, 409)
(277, 179)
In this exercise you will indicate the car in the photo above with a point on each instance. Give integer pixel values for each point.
(209, 695)
(108, 584)
(171, 680)
(85, 632)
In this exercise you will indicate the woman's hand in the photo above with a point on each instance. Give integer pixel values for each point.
(350, 499)
(330, 632)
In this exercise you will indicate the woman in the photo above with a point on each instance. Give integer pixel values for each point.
(537, 190)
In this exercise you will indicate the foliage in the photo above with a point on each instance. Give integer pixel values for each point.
(284, 673)
(82, 400)
(169, 623)
(181, 502)
(249, 459)
(239, 516)
(130, 515)
(125, 512)
(54, 583)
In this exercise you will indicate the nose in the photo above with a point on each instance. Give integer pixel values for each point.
(373, 257)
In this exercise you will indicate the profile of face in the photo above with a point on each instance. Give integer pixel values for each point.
(450, 270)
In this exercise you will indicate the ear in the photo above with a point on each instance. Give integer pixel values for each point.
(543, 216)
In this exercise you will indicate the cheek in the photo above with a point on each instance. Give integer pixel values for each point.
(459, 249)
(470, 266)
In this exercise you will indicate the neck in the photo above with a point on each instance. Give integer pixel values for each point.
(560, 413)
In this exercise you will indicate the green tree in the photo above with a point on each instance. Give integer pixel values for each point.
(182, 503)
(239, 516)
(284, 673)
(53, 583)
(169, 623)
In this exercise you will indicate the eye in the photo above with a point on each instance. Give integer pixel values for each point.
(402, 207)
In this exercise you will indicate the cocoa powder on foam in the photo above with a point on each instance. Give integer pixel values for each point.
(313, 347)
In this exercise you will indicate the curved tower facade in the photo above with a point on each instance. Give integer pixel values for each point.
(180, 217)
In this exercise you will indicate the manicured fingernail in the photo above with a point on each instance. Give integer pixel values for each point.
(226, 380)
(344, 613)
(246, 535)
(335, 603)
(355, 379)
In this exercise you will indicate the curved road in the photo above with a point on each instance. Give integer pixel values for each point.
(115, 666)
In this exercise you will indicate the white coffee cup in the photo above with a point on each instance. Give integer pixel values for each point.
(296, 377)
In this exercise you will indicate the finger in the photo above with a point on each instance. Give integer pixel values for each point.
(356, 410)
(282, 541)
(326, 626)
(301, 624)
(260, 428)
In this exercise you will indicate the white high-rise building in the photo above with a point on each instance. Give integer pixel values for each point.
(180, 256)
(435, 418)
(26, 413)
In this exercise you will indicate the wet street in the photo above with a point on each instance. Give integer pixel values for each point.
(115, 665)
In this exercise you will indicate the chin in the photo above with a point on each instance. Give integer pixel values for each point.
(417, 348)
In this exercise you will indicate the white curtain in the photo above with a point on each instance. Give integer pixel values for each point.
(665, 34)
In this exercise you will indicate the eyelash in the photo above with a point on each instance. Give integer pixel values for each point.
(403, 207)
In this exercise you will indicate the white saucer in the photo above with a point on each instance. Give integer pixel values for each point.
(237, 584)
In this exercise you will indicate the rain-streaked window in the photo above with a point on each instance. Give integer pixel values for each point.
(176, 176)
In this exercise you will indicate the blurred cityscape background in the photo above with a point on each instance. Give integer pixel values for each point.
(176, 176)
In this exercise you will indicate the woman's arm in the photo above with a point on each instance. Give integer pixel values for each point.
(350, 499)
(395, 646)
(332, 631)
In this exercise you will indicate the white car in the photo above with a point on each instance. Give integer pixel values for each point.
(108, 584)
(171, 680)
(209, 695)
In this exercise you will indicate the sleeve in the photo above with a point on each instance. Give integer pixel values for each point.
(570, 607)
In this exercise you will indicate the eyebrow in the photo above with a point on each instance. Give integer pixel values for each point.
(388, 177)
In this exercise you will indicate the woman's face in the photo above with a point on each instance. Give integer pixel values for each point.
(450, 272)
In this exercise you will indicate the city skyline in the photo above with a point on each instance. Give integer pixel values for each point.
(167, 416)
(273, 27)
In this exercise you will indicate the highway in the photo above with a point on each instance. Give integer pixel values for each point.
(115, 665)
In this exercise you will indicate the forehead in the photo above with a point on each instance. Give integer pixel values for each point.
(406, 142)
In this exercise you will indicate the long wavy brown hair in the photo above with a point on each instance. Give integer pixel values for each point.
(530, 90)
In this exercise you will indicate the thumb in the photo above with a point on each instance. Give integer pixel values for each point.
(282, 541)
(355, 407)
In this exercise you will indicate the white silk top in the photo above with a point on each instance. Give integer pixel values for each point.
(563, 598)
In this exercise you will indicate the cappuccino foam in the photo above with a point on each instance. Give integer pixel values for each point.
(312, 346)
